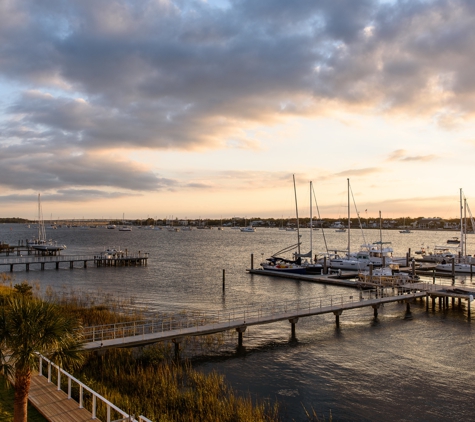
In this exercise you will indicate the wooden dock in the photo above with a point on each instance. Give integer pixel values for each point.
(72, 261)
(54, 404)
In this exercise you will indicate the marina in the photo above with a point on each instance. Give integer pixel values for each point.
(322, 360)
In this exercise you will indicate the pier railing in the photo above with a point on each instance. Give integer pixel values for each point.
(110, 407)
(186, 320)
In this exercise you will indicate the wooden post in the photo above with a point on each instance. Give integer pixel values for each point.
(375, 310)
(413, 263)
(453, 269)
(325, 268)
(427, 303)
(177, 348)
(407, 259)
(224, 280)
(252, 261)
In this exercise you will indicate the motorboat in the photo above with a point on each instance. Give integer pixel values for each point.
(405, 231)
(454, 240)
(248, 229)
(111, 226)
(125, 229)
(388, 276)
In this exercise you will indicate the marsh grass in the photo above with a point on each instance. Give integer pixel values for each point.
(148, 381)
(164, 390)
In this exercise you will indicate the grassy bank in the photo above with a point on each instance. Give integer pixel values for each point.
(148, 381)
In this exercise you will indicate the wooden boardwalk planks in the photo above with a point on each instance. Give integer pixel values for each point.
(54, 405)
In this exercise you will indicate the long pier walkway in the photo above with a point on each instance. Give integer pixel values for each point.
(54, 261)
(196, 324)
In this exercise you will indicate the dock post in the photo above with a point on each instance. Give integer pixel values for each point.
(407, 259)
(85, 264)
(325, 268)
(408, 310)
(224, 279)
(427, 303)
(375, 310)
(468, 309)
(453, 302)
(433, 275)
(453, 270)
(177, 341)
(252, 261)
(27, 267)
(337, 318)
(293, 321)
(413, 264)
(240, 330)
(433, 302)
(71, 264)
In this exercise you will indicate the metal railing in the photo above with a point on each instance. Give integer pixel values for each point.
(186, 320)
(82, 387)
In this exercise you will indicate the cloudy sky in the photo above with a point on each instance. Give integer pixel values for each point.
(197, 108)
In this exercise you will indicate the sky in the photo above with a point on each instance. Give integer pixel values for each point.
(206, 109)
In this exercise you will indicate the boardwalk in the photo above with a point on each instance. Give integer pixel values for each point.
(175, 328)
(54, 405)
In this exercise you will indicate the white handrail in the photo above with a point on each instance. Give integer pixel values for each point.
(82, 387)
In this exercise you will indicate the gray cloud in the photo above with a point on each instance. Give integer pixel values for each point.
(187, 75)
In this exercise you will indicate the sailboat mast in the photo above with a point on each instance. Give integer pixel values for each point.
(311, 224)
(461, 223)
(349, 219)
(465, 224)
(297, 215)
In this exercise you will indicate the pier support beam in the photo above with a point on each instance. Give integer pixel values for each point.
(375, 310)
(177, 342)
(468, 309)
(293, 321)
(337, 318)
(240, 330)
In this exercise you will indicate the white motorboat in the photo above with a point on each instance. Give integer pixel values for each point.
(125, 229)
(248, 229)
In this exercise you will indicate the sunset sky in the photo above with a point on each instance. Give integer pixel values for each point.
(197, 108)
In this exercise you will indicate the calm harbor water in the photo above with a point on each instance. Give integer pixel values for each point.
(391, 369)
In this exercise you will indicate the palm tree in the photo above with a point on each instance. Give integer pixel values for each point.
(29, 326)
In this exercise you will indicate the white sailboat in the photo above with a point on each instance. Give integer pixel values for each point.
(40, 243)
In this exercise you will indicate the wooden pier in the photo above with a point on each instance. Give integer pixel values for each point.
(72, 261)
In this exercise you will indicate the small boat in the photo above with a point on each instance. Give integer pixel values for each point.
(405, 231)
(457, 268)
(111, 226)
(454, 240)
(248, 229)
(125, 229)
(340, 230)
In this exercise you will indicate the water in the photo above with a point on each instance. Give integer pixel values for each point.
(392, 369)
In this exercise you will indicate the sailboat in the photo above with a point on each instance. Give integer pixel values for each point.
(40, 243)
(124, 227)
(465, 264)
(280, 264)
(405, 230)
